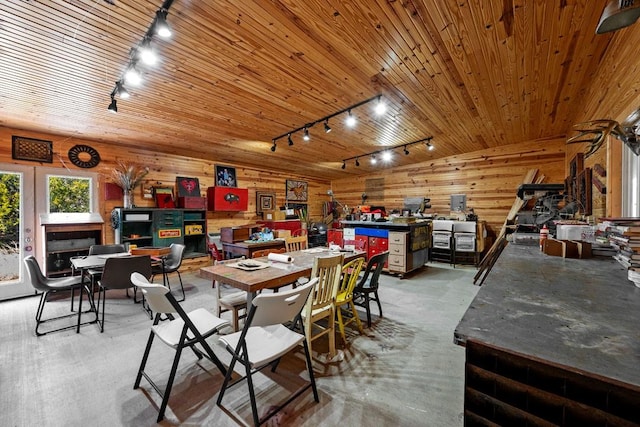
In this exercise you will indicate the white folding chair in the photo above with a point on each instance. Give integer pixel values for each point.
(183, 330)
(264, 340)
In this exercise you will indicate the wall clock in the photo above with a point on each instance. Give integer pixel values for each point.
(84, 156)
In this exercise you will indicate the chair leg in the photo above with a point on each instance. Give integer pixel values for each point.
(368, 308)
(332, 333)
(312, 378)
(236, 322)
(181, 286)
(378, 301)
(172, 375)
(43, 300)
(104, 302)
(341, 324)
(252, 396)
(356, 317)
(147, 350)
(307, 325)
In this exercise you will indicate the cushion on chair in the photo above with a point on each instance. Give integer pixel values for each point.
(265, 343)
(204, 321)
(234, 299)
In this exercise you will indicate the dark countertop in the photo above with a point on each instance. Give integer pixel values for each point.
(580, 313)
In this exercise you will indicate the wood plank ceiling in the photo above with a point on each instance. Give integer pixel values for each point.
(472, 74)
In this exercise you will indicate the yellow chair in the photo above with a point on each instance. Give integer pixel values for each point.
(321, 304)
(350, 276)
(296, 243)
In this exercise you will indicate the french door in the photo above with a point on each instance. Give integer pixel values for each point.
(18, 229)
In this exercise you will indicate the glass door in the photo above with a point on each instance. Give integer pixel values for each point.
(17, 229)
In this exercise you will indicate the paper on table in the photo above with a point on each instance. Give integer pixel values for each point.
(279, 258)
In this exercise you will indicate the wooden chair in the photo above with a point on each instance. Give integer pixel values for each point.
(299, 232)
(233, 301)
(296, 243)
(265, 252)
(321, 304)
(350, 277)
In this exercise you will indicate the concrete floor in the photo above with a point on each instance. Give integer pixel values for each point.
(406, 371)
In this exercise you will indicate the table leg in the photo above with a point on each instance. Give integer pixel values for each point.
(250, 297)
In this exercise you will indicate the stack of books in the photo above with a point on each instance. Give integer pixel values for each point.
(624, 235)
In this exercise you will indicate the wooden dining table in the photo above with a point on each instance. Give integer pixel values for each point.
(276, 275)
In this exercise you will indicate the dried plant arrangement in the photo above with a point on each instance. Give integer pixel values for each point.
(128, 175)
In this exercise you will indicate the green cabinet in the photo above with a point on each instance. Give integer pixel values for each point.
(162, 227)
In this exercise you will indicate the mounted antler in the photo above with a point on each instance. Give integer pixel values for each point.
(596, 132)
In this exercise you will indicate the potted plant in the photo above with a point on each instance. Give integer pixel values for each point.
(128, 176)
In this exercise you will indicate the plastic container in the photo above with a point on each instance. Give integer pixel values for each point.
(544, 234)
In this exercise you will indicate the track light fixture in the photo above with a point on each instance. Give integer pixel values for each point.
(274, 146)
(290, 140)
(387, 153)
(161, 26)
(351, 120)
(344, 165)
(113, 107)
(144, 53)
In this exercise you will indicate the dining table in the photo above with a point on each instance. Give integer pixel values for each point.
(276, 274)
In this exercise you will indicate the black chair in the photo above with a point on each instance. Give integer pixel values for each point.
(94, 274)
(170, 265)
(117, 275)
(182, 331)
(264, 340)
(49, 286)
(367, 288)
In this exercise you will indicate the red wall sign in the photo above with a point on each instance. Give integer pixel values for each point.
(227, 199)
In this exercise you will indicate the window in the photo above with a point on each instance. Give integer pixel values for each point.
(630, 183)
(69, 194)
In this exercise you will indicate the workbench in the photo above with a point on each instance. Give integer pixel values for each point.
(552, 341)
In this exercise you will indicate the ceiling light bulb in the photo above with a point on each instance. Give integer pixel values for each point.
(351, 120)
(290, 140)
(344, 165)
(381, 107)
(430, 147)
(162, 28)
(373, 159)
(133, 77)
(357, 162)
(386, 156)
(327, 129)
(146, 53)
(306, 136)
(113, 107)
(120, 89)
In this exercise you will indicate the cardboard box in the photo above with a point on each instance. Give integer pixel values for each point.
(275, 215)
(282, 234)
(567, 248)
(575, 232)
(188, 202)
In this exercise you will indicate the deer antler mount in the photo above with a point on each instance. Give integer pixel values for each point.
(596, 131)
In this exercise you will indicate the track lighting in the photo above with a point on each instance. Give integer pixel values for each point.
(273, 147)
(290, 140)
(387, 153)
(144, 52)
(351, 120)
(113, 107)
(344, 165)
(161, 26)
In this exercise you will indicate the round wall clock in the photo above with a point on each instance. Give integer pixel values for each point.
(84, 156)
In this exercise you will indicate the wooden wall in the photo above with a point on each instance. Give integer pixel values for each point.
(489, 178)
(163, 171)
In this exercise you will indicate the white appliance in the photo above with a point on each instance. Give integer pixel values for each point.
(464, 236)
(442, 233)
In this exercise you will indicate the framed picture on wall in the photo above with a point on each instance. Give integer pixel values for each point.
(265, 201)
(225, 176)
(164, 197)
(297, 191)
(188, 187)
